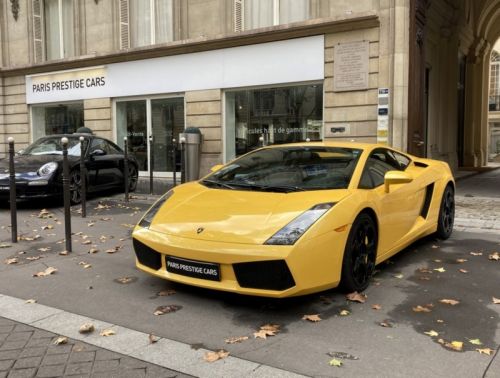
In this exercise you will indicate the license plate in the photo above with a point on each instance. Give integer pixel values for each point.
(196, 269)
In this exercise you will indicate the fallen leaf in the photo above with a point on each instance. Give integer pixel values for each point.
(125, 280)
(335, 362)
(127, 225)
(432, 333)
(476, 253)
(465, 271)
(487, 351)
(494, 256)
(421, 309)
(440, 270)
(30, 301)
(475, 342)
(312, 318)
(344, 313)
(435, 246)
(455, 345)
(86, 242)
(114, 249)
(440, 321)
(47, 272)
(107, 332)
(496, 300)
(90, 224)
(86, 328)
(153, 339)
(437, 260)
(93, 250)
(356, 297)
(85, 264)
(386, 324)
(161, 310)
(237, 339)
(452, 302)
(343, 356)
(33, 258)
(214, 356)
(398, 276)
(267, 330)
(166, 293)
(61, 340)
(376, 307)
(424, 270)
(460, 261)
(11, 261)
(47, 227)
(105, 219)
(5, 245)
(64, 253)
(424, 278)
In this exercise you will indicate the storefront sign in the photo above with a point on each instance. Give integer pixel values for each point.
(383, 116)
(351, 66)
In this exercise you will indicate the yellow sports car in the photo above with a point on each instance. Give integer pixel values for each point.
(294, 219)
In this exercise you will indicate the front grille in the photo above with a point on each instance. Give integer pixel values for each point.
(147, 256)
(268, 275)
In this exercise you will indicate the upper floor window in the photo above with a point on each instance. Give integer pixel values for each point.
(145, 22)
(253, 14)
(53, 29)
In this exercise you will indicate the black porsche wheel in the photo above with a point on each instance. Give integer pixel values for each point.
(360, 254)
(446, 215)
(132, 177)
(75, 187)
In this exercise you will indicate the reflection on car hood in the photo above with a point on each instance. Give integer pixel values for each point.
(234, 216)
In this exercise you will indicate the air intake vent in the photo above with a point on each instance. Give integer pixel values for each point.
(429, 190)
(147, 256)
(420, 164)
(267, 275)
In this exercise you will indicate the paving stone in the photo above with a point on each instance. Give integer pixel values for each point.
(78, 368)
(22, 373)
(6, 328)
(33, 352)
(58, 349)
(55, 359)
(39, 342)
(3, 374)
(135, 373)
(3, 336)
(38, 333)
(105, 365)
(6, 322)
(27, 362)
(82, 357)
(51, 371)
(6, 364)
(132, 363)
(106, 355)
(23, 328)
(9, 354)
(19, 336)
(10, 345)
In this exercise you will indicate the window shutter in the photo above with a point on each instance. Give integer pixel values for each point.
(38, 30)
(239, 24)
(124, 25)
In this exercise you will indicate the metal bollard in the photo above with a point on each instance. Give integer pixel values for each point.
(66, 192)
(125, 167)
(83, 177)
(183, 160)
(12, 184)
(174, 160)
(152, 163)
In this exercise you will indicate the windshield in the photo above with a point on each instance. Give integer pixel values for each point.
(53, 146)
(288, 169)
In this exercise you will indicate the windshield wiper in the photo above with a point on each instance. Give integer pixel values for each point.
(218, 183)
(270, 188)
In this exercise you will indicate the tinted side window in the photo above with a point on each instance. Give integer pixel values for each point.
(380, 162)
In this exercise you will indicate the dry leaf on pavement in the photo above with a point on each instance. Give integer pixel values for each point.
(267, 330)
(64, 253)
(496, 300)
(93, 250)
(30, 301)
(47, 272)
(424, 270)
(486, 351)
(33, 258)
(432, 333)
(165, 293)
(476, 253)
(11, 261)
(465, 271)
(344, 313)
(455, 345)
(161, 310)
(494, 256)
(5, 245)
(107, 332)
(153, 339)
(475, 342)
(386, 323)
(335, 362)
(421, 309)
(86, 242)
(125, 280)
(47, 227)
(312, 318)
(452, 302)
(460, 261)
(234, 340)
(114, 249)
(86, 328)
(85, 264)
(214, 356)
(356, 297)
(376, 307)
(398, 276)
(440, 270)
(61, 340)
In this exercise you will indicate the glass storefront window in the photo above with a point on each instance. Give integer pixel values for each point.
(163, 119)
(56, 119)
(277, 115)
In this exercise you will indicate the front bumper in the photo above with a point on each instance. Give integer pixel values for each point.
(261, 270)
(29, 189)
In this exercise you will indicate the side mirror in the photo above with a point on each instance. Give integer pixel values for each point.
(396, 177)
(98, 152)
(215, 168)
(20, 152)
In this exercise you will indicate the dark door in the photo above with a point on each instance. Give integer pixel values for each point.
(462, 64)
(104, 164)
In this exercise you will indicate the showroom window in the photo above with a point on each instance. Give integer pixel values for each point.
(272, 116)
(56, 119)
(161, 118)
(262, 13)
(53, 29)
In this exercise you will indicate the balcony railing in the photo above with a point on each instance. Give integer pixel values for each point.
(494, 104)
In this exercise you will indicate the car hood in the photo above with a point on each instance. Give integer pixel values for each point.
(234, 216)
(28, 163)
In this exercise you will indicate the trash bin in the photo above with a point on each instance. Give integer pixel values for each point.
(192, 138)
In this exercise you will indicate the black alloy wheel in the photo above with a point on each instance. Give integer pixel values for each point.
(75, 187)
(360, 253)
(446, 215)
(132, 177)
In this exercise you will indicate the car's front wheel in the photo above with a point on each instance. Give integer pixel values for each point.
(75, 187)
(133, 176)
(446, 215)
(360, 253)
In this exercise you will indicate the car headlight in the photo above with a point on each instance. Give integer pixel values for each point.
(47, 169)
(150, 214)
(289, 234)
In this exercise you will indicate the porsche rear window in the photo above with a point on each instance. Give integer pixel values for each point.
(289, 169)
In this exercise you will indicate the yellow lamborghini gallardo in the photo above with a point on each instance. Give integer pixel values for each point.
(294, 219)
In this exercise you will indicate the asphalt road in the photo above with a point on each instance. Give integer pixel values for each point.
(206, 318)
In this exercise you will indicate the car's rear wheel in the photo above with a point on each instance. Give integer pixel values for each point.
(360, 254)
(446, 215)
(75, 187)
(132, 177)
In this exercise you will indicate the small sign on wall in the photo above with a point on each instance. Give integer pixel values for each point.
(351, 66)
(383, 116)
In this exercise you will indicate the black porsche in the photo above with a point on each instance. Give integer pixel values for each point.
(39, 168)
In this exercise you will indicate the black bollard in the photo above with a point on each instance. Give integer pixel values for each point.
(152, 163)
(12, 184)
(174, 160)
(83, 177)
(183, 160)
(125, 167)
(66, 193)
